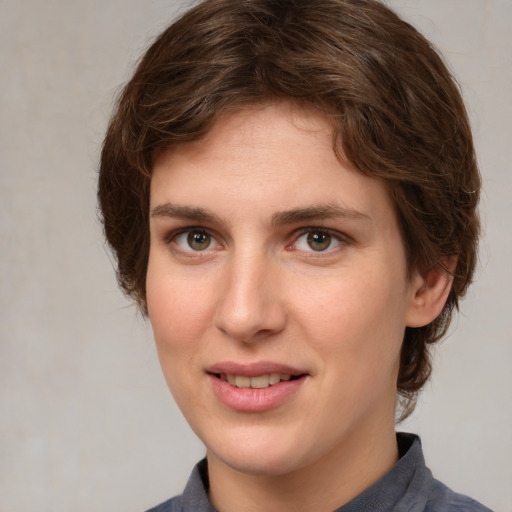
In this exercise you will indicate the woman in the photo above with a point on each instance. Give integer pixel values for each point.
(290, 190)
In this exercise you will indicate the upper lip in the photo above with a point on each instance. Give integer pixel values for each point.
(253, 369)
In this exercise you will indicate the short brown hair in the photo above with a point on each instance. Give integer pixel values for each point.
(396, 111)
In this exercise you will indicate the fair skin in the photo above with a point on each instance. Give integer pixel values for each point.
(271, 260)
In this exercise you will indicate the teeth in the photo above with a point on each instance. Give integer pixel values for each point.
(258, 382)
(274, 378)
(242, 382)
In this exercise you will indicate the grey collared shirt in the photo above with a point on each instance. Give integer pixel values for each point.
(408, 487)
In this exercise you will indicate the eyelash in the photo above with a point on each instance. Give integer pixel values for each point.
(171, 239)
(312, 230)
(340, 238)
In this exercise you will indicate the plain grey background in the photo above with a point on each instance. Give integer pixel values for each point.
(86, 421)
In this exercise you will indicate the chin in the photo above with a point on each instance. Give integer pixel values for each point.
(264, 455)
(259, 464)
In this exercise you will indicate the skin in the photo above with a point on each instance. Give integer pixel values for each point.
(256, 288)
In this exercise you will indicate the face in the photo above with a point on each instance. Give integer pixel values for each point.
(277, 292)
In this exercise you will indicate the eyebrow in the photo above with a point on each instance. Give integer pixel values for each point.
(185, 212)
(315, 212)
(328, 211)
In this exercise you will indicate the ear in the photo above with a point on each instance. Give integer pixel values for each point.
(429, 293)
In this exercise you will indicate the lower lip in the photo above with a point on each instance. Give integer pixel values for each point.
(255, 400)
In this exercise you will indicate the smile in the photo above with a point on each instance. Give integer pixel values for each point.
(257, 386)
(256, 382)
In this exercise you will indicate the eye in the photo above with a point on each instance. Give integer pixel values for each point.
(196, 240)
(317, 240)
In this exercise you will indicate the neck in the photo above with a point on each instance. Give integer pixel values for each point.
(324, 485)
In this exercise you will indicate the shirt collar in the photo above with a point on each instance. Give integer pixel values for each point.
(403, 489)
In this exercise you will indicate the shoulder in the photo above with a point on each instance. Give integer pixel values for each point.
(172, 505)
(195, 495)
(420, 491)
(442, 499)
(186, 502)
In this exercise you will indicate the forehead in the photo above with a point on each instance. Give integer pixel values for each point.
(263, 160)
(242, 133)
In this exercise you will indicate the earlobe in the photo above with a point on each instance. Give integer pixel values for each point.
(429, 293)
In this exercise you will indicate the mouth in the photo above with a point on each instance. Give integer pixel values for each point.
(255, 387)
(263, 381)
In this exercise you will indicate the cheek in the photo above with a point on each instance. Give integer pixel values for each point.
(177, 300)
(175, 321)
(176, 318)
(358, 318)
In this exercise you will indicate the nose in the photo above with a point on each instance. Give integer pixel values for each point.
(251, 305)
